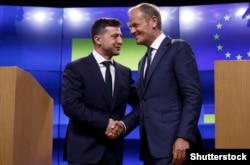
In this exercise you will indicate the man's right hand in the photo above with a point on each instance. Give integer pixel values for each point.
(114, 129)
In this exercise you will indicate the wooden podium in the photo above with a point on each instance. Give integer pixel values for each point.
(232, 104)
(26, 119)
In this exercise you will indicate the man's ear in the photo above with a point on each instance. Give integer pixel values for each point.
(154, 21)
(97, 39)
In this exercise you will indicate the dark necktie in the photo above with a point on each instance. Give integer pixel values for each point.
(149, 55)
(108, 78)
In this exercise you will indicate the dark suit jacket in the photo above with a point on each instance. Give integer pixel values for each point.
(170, 100)
(85, 102)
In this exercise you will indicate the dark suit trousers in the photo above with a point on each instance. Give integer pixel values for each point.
(148, 158)
(109, 158)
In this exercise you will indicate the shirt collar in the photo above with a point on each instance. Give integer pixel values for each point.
(99, 58)
(156, 44)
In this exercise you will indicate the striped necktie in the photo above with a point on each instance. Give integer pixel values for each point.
(148, 56)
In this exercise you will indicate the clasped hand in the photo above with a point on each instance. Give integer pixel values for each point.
(114, 129)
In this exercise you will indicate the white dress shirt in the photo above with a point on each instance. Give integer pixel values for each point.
(99, 60)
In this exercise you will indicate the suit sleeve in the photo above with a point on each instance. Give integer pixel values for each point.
(131, 120)
(187, 74)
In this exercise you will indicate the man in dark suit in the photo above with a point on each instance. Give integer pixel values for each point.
(93, 115)
(170, 92)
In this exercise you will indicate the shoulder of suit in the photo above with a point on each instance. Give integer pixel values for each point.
(78, 62)
(174, 40)
(83, 59)
(120, 65)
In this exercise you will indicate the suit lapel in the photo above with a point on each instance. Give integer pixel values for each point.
(118, 83)
(140, 75)
(97, 77)
(157, 58)
(142, 66)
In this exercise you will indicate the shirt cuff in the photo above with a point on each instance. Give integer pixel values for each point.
(124, 126)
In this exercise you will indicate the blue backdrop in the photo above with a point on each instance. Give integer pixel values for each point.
(40, 41)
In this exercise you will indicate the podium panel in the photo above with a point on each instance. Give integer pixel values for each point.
(26, 120)
(232, 104)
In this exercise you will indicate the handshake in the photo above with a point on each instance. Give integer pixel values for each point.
(114, 129)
